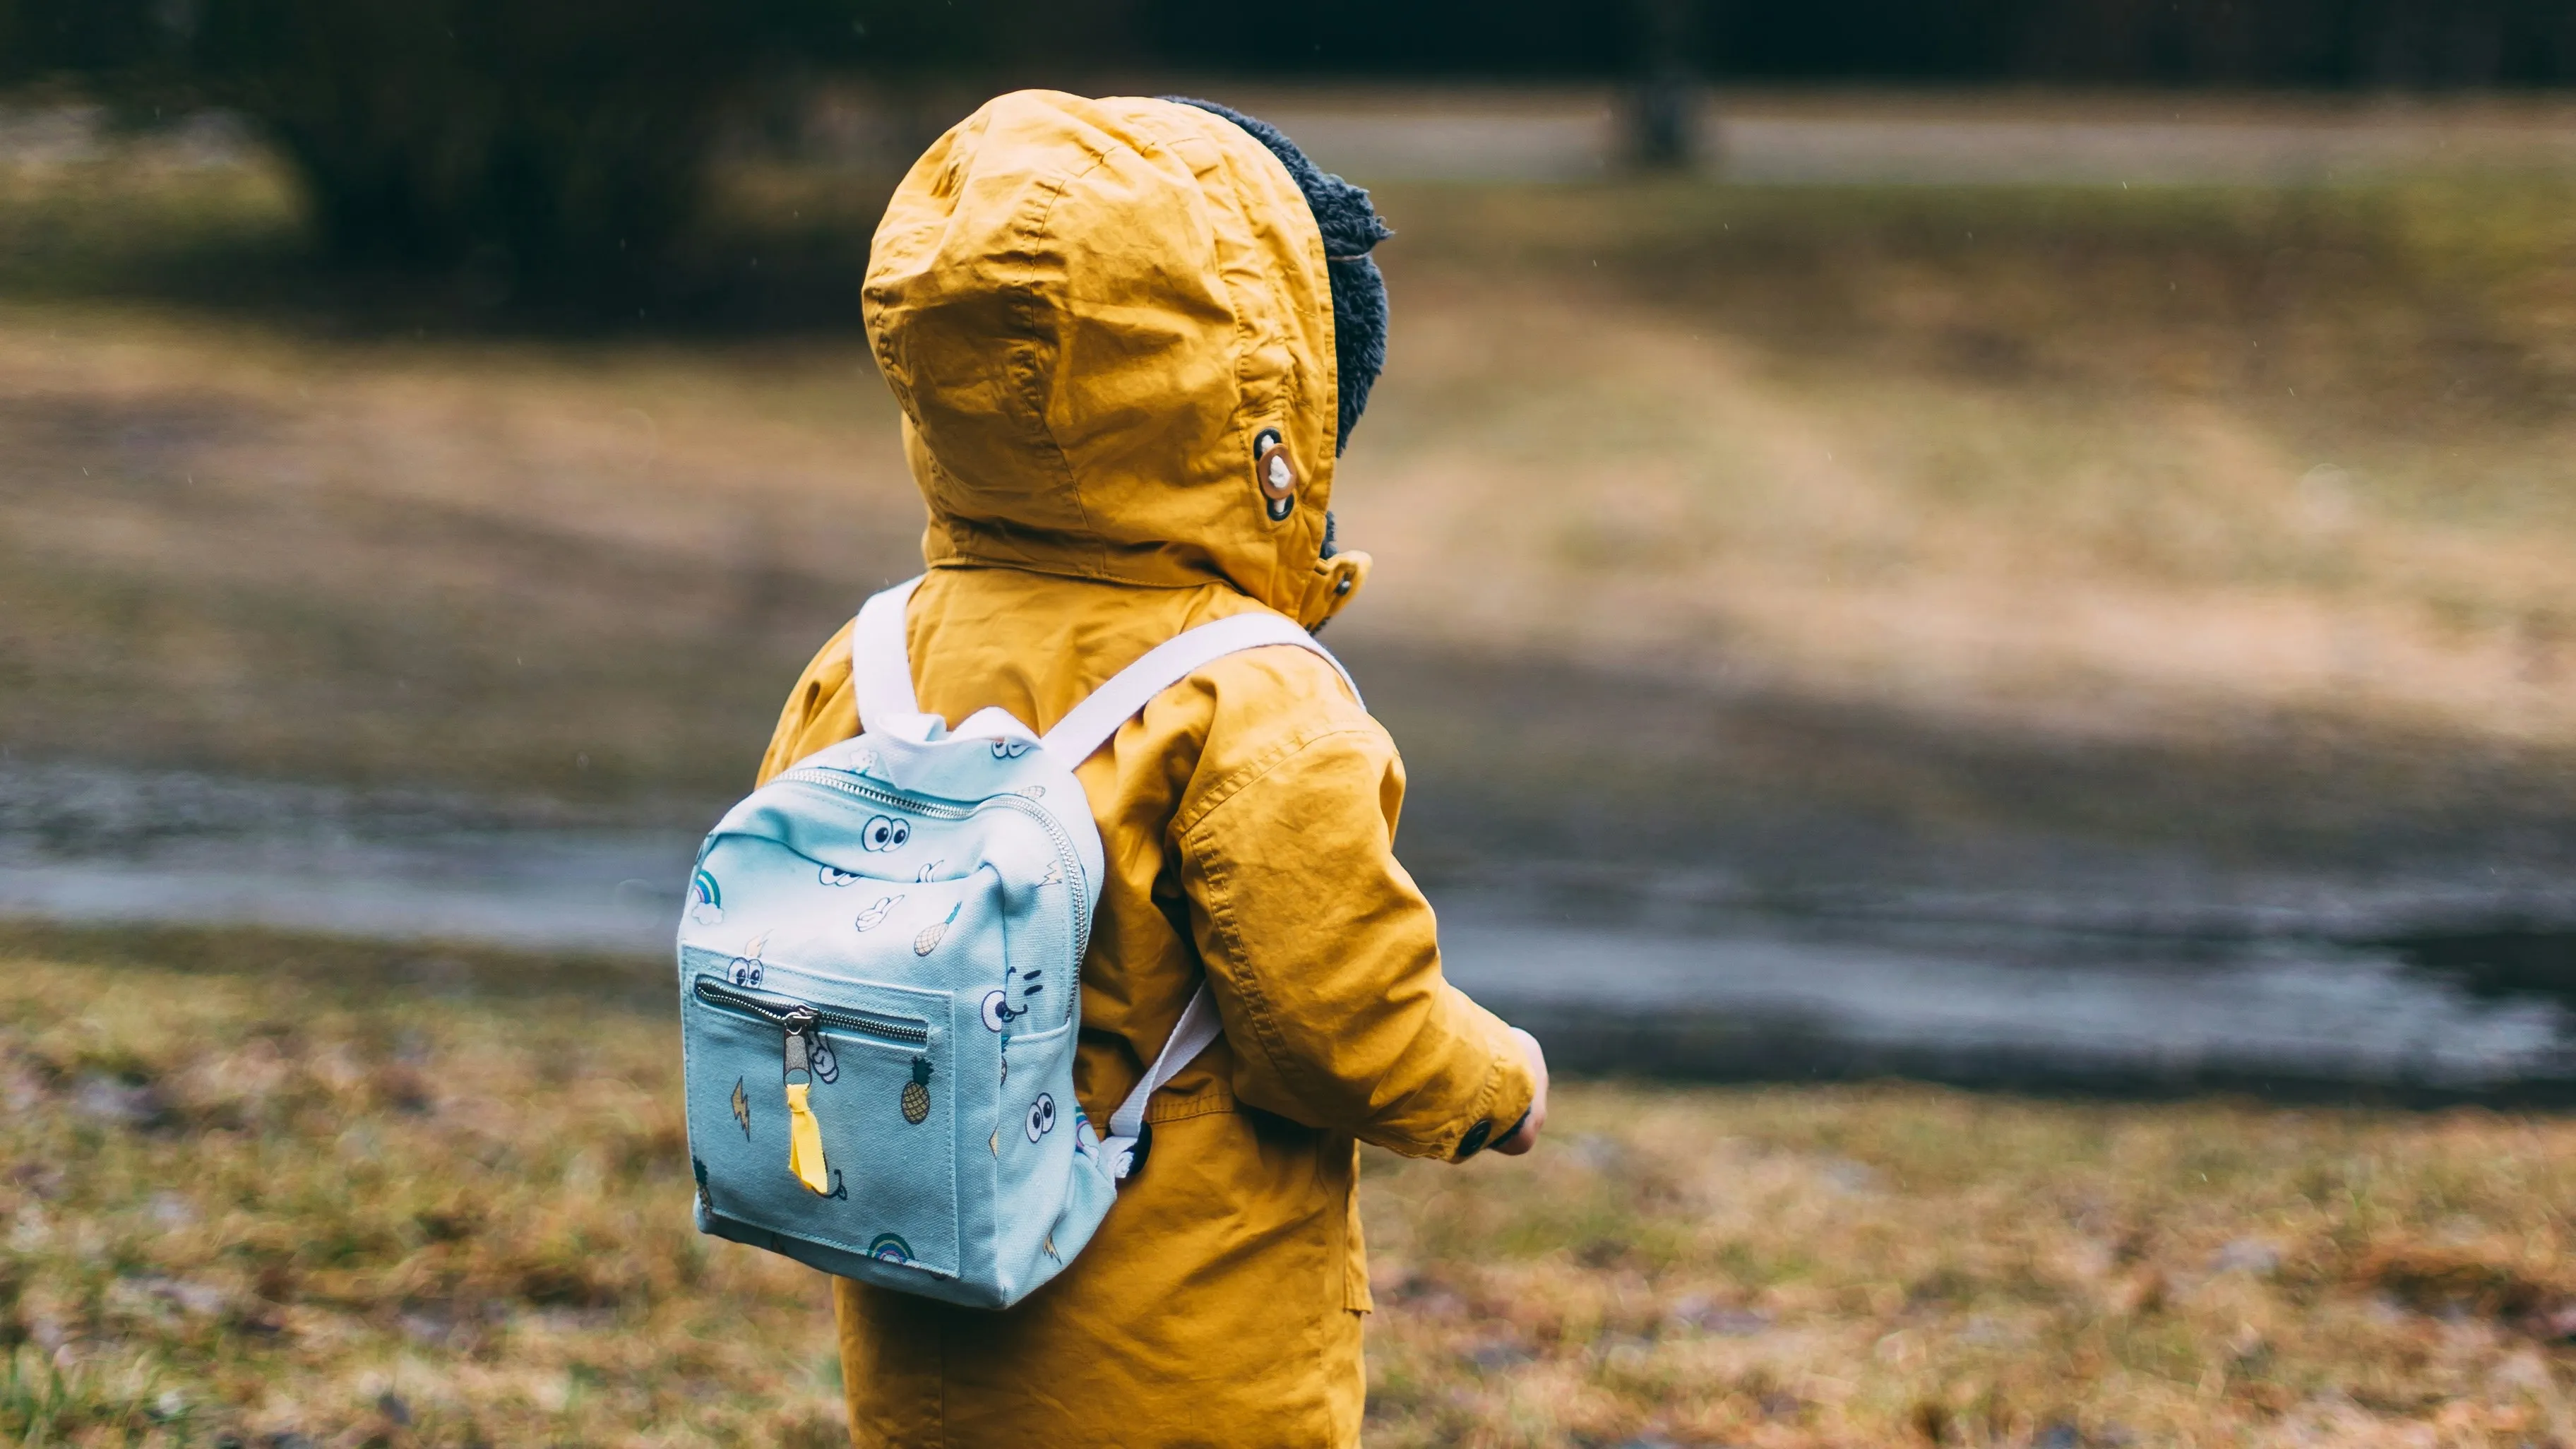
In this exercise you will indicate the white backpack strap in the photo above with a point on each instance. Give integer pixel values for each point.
(1085, 729)
(1124, 1147)
(1090, 724)
(881, 662)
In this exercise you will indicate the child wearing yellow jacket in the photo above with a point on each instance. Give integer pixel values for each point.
(1112, 326)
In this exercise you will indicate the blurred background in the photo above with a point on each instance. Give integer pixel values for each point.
(2065, 486)
(2027, 546)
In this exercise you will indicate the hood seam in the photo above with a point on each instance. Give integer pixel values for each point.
(959, 559)
(1028, 300)
(1295, 391)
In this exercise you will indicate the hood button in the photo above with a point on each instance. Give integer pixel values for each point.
(1277, 475)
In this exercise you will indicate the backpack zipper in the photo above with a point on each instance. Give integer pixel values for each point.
(1072, 862)
(794, 1017)
(805, 1054)
(831, 779)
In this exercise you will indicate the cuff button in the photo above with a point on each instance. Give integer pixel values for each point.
(1474, 1141)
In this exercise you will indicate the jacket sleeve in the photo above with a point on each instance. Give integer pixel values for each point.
(1325, 957)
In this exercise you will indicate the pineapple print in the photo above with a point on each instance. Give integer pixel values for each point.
(916, 1093)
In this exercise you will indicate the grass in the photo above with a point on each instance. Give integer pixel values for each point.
(2165, 466)
(276, 1197)
(2215, 515)
(264, 1187)
(2132, 460)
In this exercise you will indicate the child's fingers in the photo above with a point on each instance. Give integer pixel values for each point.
(1524, 1136)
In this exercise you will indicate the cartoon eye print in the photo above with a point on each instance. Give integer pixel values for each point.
(875, 915)
(998, 1011)
(833, 877)
(1041, 1116)
(885, 832)
(1009, 749)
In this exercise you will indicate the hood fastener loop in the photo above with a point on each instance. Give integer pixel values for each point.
(1277, 475)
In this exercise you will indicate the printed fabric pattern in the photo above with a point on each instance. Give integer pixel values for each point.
(877, 970)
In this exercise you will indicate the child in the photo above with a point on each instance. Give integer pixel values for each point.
(1129, 338)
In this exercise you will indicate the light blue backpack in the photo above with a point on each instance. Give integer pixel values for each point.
(880, 988)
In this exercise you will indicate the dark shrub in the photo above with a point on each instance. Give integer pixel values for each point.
(560, 142)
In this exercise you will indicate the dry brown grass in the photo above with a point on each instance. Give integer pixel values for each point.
(2134, 462)
(2112, 463)
(293, 1189)
(512, 564)
(259, 1207)
(1864, 1266)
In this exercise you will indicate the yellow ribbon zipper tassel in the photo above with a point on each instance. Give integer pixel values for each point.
(805, 1140)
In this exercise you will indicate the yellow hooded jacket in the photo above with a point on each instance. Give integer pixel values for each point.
(1089, 309)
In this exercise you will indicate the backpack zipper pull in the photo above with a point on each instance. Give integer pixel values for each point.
(804, 1134)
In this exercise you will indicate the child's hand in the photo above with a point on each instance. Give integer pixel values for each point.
(1527, 1137)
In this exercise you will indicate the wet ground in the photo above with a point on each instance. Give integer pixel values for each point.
(2296, 984)
(588, 576)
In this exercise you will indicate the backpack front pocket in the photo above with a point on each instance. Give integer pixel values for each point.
(831, 1120)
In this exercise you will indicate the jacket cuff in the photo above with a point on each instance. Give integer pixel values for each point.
(1501, 1107)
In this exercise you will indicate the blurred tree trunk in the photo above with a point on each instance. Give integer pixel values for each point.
(2473, 52)
(1666, 96)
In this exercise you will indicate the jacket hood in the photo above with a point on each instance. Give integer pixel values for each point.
(1094, 314)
